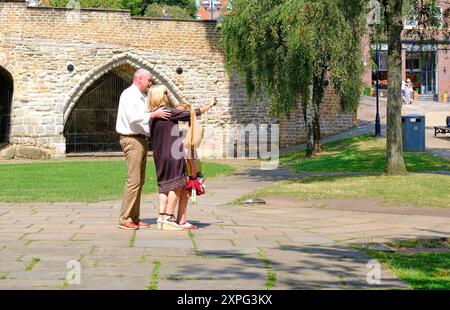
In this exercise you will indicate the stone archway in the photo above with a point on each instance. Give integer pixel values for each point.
(129, 59)
(90, 110)
(90, 127)
(6, 94)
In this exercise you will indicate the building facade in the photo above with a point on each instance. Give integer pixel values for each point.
(213, 9)
(427, 64)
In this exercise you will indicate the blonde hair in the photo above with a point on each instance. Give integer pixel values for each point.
(156, 97)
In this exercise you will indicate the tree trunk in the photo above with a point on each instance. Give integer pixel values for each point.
(308, 116)
(394, 144)
(318, 93)
(316, 132)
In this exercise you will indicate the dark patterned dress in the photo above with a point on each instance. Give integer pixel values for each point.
(165, 135)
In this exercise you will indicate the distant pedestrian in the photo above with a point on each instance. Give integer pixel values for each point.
(32, 2)
(403, 91)
(409, 92)
(165, 15)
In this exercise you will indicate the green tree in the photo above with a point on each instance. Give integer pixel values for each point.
(174, 11)
(286, 49)
(137, 7)
(431, 27)
(172, 6)
(110, 4)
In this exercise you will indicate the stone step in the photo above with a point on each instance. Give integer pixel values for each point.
(425, 97)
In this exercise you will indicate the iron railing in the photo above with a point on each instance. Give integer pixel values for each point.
(91, 126)
(5, 114)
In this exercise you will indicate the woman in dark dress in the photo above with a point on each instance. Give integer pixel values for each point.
(170, 159)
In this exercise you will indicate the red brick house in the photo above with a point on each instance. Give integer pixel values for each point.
(429, 70)
(212, 9)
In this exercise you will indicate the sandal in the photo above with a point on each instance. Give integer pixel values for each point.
(160, 219)
(188, 225)
(169, 223)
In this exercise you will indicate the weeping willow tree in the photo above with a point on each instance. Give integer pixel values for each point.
(431, 19)
(288, 50)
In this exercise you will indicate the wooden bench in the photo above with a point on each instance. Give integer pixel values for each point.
(441, 129)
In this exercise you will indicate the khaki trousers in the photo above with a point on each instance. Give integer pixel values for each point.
(135, 149)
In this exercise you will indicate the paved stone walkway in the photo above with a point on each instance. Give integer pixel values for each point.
(306, 245)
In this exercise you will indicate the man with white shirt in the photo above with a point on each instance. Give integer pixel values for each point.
(132, 125)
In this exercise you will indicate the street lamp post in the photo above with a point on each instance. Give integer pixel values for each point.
(377, 116)
(212, 5)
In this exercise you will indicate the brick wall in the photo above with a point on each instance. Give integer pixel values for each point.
(443, 72)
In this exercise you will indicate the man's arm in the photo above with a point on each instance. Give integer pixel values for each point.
(135, 115)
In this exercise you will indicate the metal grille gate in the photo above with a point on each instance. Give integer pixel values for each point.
(91, 126)
(6, 92)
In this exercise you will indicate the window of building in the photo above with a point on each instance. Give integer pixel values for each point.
(382, 68)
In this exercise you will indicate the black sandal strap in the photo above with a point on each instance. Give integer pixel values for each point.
(171, 218)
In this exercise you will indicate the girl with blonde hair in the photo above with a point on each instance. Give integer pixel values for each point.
(169, 158)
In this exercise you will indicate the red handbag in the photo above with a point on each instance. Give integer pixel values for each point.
(194, 188)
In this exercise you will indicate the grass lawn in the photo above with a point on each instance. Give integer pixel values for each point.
(419, 190)
(423, 270)
(84, 181)
(363, 153)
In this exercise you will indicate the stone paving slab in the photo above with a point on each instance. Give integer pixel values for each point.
(51, 275)
(257, 243)
(307, 239)
(123, 270)
(154, 233)
(50, 256)
(7, 266)
(95, 282)
(27, 284)
(243, 268)
(204, 245)
(230, 252)
(51, 237)
(321, 267)
(170, 252)
(178, 244)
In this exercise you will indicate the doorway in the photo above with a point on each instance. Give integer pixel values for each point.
(6, 94)
(421, 69)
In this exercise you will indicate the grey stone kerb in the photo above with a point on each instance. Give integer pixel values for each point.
(129, 58)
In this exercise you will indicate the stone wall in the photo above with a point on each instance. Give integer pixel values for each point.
(37, 45)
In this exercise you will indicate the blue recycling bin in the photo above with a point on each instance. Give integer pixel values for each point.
(413, 133)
